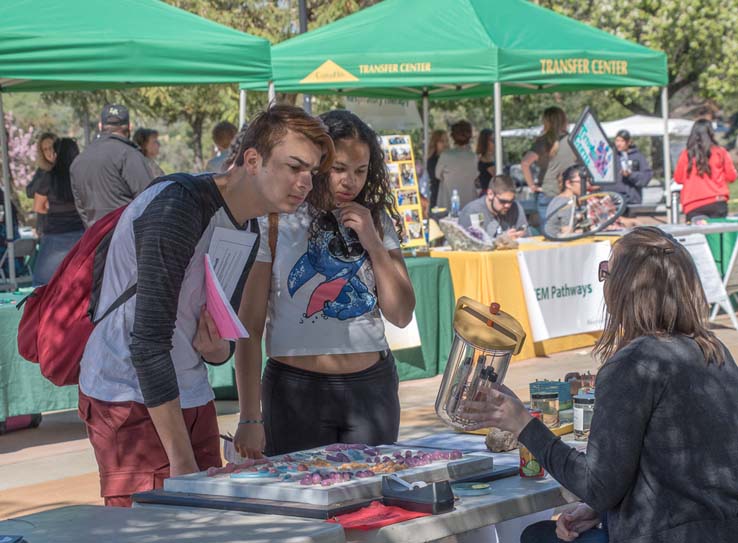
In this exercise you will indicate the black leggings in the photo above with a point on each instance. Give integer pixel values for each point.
(715, 210)
(304, 409)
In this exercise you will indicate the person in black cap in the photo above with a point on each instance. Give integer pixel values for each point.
(635, 171)
(111, 171)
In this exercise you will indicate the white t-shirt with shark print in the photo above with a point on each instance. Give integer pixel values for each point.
(323, 297)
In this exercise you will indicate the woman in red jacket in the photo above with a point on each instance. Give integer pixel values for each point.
(705, 169)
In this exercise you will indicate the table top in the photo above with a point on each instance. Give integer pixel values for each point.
(533, 243)
(511, 497)
(10, 300)
(93, 524)
(712, 228)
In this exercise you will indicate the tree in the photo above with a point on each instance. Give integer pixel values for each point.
(22, 155)
(698, 37)
(274, 20)
(87, 105)
(200, 106)
(321, 13)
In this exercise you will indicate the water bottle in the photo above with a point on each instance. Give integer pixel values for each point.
(455, 203)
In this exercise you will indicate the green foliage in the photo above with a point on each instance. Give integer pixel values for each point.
(698, 36)
(201, 107)
(321, 12)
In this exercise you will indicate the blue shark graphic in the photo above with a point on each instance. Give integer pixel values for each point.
(337, 256)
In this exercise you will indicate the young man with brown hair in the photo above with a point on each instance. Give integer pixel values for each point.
(144, 391)
(497, 212)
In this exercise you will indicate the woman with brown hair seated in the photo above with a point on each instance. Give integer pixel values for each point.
(661, 462)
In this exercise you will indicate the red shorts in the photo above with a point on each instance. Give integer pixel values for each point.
(129, 454)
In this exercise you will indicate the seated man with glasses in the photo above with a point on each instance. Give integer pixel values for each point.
(496, 212)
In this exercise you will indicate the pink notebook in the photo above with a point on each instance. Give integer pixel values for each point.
(219, 307)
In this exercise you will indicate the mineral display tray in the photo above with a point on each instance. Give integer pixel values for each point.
(357, 489)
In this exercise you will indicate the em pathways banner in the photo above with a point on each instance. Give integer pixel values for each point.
(562, 292)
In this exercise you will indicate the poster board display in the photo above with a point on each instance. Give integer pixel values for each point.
(713, 285)
(598, 155)
(398, 154)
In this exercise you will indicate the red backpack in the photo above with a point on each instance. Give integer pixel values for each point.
(58, 317)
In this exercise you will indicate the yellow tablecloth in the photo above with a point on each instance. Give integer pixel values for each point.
(494, 276)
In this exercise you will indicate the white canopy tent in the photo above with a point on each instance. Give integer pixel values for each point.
(637, 125)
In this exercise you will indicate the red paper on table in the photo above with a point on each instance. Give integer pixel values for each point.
(376, 515)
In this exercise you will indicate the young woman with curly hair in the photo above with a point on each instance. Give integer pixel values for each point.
(324, 274)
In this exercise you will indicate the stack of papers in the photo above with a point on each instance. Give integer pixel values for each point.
(219, 306)
(227, 256)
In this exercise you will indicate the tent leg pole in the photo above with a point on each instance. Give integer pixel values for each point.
(86, 128)
(6, 202)
(672, 209)
(271, 94)
(241, 108)
(499, 166)
(425, 127)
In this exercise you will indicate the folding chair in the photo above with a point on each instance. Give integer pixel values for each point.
(25, 252)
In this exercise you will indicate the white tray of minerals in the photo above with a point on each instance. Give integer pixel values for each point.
(329, 475)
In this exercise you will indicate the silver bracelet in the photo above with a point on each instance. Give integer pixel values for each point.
(251, 421)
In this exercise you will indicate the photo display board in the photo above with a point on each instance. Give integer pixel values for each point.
(598, 155)
(398, 154)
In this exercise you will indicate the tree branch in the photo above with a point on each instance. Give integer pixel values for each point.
(637, 109)
(677, 85)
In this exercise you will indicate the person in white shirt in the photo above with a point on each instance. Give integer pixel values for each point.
(329, 275)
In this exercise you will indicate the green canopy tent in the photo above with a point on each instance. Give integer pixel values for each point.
(55, 45)
(445, 49)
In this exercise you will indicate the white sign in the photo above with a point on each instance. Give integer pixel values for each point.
(562, 291)
(713, 285)
(697, 246)
(388, 115)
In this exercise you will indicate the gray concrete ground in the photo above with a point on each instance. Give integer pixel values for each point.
(54, 466)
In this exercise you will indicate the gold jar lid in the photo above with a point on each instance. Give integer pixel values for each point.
(486, 327)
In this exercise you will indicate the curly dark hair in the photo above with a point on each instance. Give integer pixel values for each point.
(377, 193)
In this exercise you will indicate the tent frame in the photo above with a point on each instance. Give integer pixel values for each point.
(10, 248)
